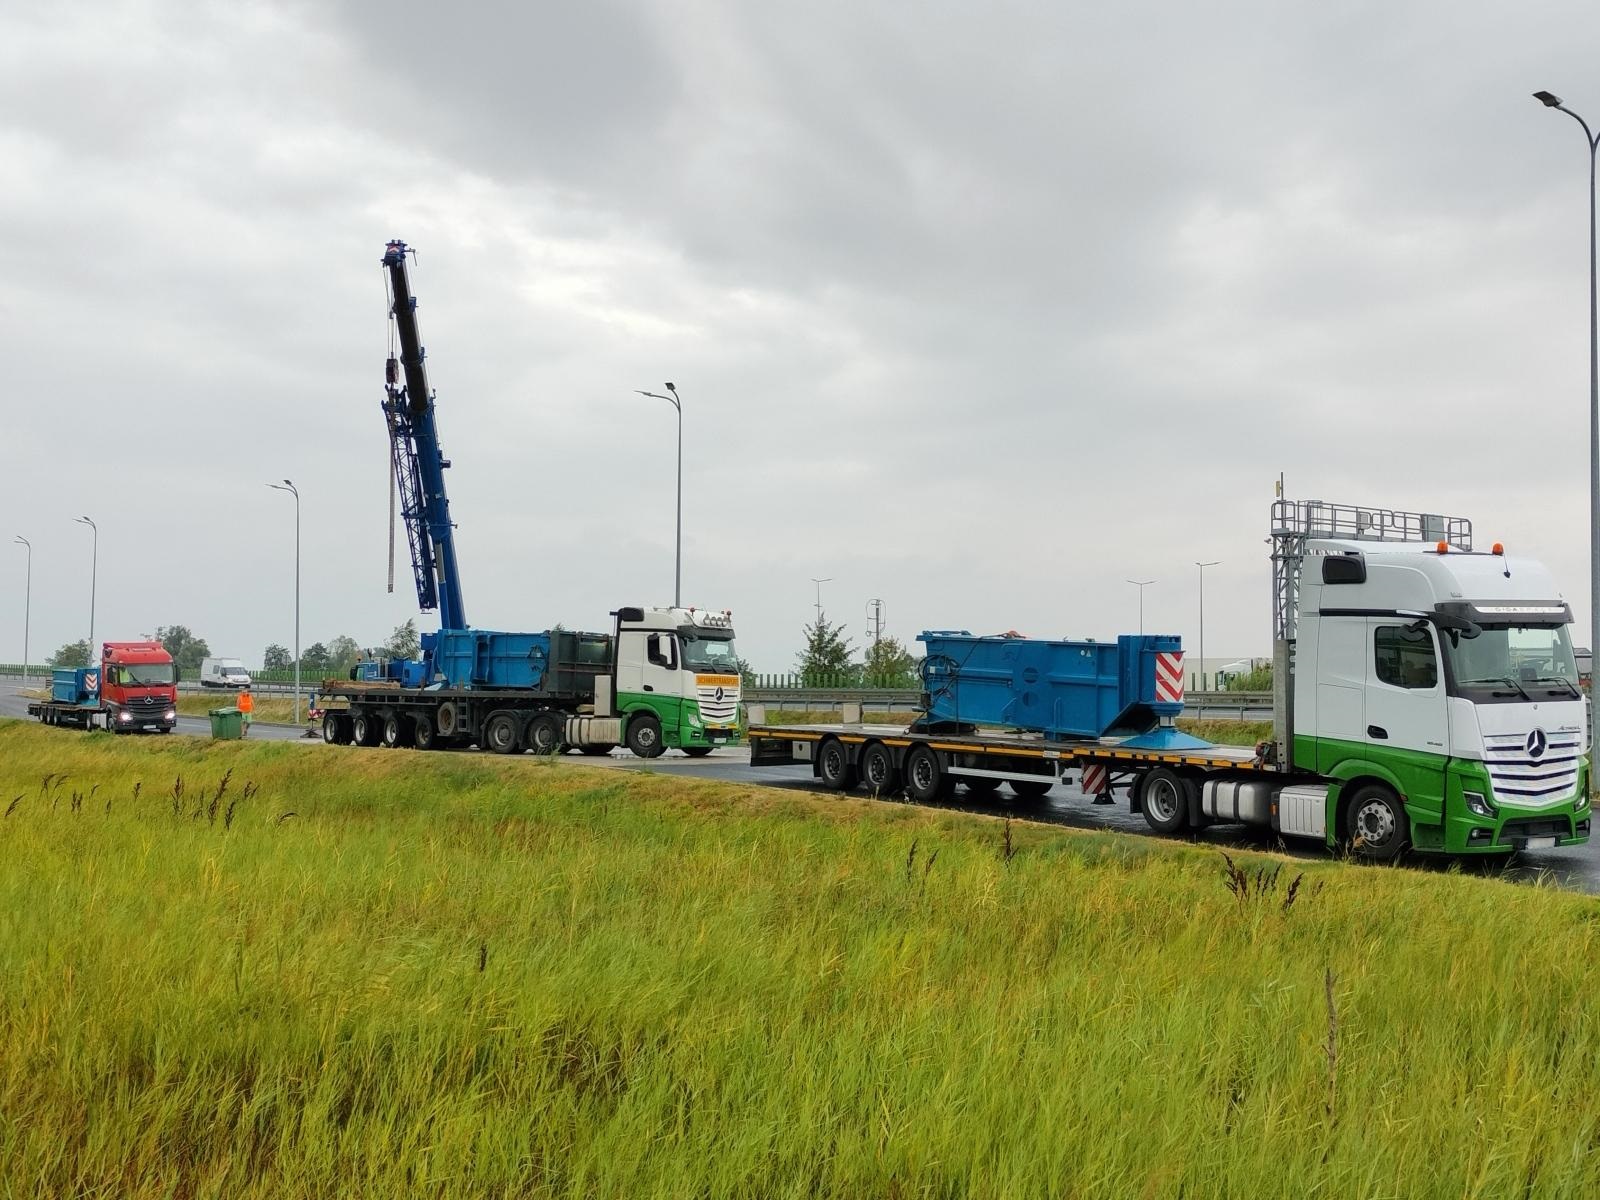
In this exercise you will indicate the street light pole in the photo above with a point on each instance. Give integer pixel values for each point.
(27, 605)
(1203, 566)
(94, 570)
(819, 583)
(677, 574)
(1552, 101)
(1141, 584)
(288, 486)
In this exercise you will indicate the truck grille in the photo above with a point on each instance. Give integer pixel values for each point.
(719, 698)
(1520, 777)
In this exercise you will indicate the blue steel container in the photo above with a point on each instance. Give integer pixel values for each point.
(1061, 689)
(75, 685)
(482, 658)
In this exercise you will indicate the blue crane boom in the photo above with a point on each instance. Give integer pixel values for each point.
(419, 464)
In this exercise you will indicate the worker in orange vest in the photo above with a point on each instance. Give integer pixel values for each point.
(247, 706)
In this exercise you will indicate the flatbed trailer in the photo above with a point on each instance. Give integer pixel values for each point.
(928, 765)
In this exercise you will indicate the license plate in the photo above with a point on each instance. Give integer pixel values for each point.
(1539, 843)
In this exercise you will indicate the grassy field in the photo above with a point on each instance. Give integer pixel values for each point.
(279, 709)
(249, 969)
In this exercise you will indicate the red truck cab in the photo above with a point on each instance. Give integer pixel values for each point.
(138, 686)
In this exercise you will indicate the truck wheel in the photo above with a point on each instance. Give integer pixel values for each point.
(1030, 789)
(422, 734)
(598, 750)
(395, 733)
(545, 733)
(1376, 824)
(697, 751)
(834, 767)
(1165, 797)
(980, 785)
(365, 728)
(500, 733)
(445, 719)
(878, 771)
(926, 780)
(644, 736)
(330, 729)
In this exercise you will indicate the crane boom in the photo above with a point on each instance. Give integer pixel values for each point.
(419, 464)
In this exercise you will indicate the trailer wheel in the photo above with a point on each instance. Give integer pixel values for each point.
(364, 727)
(1376, 824)
(980, 785)
(395, 733)
(834, 767)
(445, 719)
(1030, 789)
(500, 732)
(878, 771)
(545, 733)
(926, 780)
(336, 729)
(423, 736)
(1164, 796)
(644, 736)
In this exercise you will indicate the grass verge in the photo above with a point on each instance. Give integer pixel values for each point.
(246, 970)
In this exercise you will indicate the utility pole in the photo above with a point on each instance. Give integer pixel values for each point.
(874, 629)
(27, 605)
(819, 583)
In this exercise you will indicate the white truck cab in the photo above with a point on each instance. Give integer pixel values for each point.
(677, 680)
(1436, 689)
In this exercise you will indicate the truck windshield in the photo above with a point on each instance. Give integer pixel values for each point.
(709, 654)
(1510, 663)
(142, 674)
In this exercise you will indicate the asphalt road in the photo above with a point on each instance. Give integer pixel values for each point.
(1577, 869)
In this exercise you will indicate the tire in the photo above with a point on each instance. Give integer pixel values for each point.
(834, 767)
(697, 751)
(980, 785)
(395, 731)
(644, 736)
(1165, 796)
(926, 780)
(501, 733)
(545, 733)
(446, 718)
(423, 736)
(330, 730)
(1375, 822)
(365, 729)
(598, 750)
(1030, 789)
(878, 771)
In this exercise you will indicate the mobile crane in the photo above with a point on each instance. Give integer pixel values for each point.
(662, 678)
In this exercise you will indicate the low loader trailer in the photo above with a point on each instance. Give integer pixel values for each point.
(1425, 696)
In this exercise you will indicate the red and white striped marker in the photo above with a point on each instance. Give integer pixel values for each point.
(1169, 676)
(1096, 780)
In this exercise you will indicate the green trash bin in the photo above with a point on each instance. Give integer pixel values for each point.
(227, 724)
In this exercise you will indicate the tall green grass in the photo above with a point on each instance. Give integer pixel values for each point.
(394, 974)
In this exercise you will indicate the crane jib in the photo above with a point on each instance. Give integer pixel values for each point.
(419, 463)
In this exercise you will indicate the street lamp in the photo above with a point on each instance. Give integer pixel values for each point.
(94, 569)
(819, 583)
(1141, 584)
(288, 486)
(27, 605)
(677, 575)
(1550, 100)
(1203, 566)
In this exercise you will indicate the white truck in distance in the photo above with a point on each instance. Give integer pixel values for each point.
(223, 673)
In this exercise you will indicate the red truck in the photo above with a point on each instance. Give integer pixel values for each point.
(134, 689)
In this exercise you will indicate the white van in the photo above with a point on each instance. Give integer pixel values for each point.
(223, 673)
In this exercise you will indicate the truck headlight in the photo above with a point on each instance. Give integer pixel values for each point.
(1477, 804)
(170, 715)
(1582, 802)
(124, 716)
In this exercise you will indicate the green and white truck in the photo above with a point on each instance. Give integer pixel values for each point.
(1425, 696)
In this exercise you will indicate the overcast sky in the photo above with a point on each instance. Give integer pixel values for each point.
(979, 309)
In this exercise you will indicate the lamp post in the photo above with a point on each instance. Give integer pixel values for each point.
(288, 486)
(1203, 566)
(27, 605)
(1141, 584)
(94, 570)
(1550, 100)
(819, 583)
(677, 574)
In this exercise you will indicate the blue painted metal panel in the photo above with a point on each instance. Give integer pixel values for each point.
(482, 658)
(1063, 689)
(75, 685)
